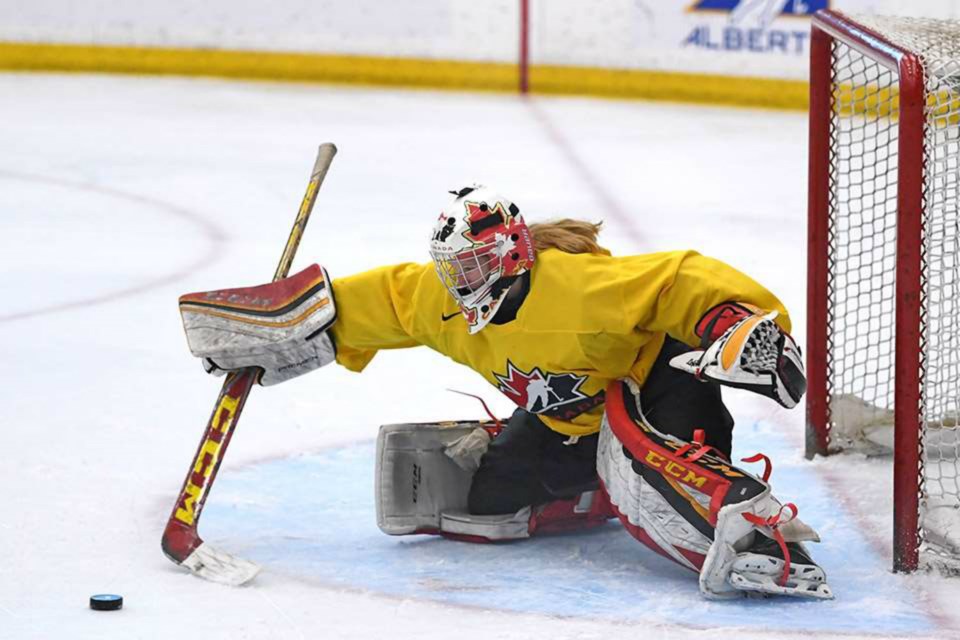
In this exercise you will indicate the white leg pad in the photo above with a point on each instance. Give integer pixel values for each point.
(417, 480)
(726, 565)
(511, 526)
(643, 506)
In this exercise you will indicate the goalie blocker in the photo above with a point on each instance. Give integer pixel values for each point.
(279, 328)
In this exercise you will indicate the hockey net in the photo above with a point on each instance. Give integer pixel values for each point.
(884, 264)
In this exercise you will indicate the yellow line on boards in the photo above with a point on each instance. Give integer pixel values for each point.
(671, 86)
(259, 65)
(406, 72)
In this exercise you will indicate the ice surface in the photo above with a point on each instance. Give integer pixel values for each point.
(603, 574)
(117, 194)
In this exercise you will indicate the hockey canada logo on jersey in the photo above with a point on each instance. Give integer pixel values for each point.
(557, 395)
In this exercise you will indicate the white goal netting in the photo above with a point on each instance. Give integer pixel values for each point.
(863, 258)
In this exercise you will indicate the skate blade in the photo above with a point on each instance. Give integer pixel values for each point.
(760, 573)
(768, 585)
(755, 563)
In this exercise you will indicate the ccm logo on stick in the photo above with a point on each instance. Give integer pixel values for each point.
(207, 461)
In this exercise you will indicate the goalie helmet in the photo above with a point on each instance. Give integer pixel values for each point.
(479, 246)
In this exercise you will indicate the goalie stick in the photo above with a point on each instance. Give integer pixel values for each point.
(181, 542)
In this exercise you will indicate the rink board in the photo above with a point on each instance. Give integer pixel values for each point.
(312, 517)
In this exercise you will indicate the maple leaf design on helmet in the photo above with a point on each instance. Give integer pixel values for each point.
(479, 245)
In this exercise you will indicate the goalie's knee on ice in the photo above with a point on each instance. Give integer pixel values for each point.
(530, 464)
(484, 499)
(427, 482)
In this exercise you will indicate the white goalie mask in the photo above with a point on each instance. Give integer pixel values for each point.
(479, 245)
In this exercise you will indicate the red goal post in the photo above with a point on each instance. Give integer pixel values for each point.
(883, 219)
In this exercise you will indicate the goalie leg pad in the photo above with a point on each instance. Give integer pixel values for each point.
(416, 480)
(654, 515)
(423, 478)
(279, 327)
(696, 508)
(588, 510)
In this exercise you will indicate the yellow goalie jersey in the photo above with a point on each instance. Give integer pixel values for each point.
(587, 319)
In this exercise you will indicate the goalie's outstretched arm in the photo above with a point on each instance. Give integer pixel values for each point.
(377, 310)
(301, 323)
(690, 285)
(742, 329)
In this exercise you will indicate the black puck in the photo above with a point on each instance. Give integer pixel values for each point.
(106, 602)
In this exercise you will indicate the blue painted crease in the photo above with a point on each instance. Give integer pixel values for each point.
(313, 516)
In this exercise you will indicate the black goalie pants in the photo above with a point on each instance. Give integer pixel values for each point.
(530, 464)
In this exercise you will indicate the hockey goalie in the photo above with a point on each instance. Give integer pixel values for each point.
(616, 365)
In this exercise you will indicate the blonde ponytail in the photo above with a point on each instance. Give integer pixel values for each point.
(569, 236)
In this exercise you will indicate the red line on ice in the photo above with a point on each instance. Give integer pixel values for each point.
(593, 182)
(214, 235)
(880, 540)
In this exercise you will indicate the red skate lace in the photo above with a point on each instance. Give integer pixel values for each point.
(768, 465)
(697, 446)
(774, 522)
(497, 425)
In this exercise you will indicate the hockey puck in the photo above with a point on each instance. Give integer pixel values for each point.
(106, 602)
